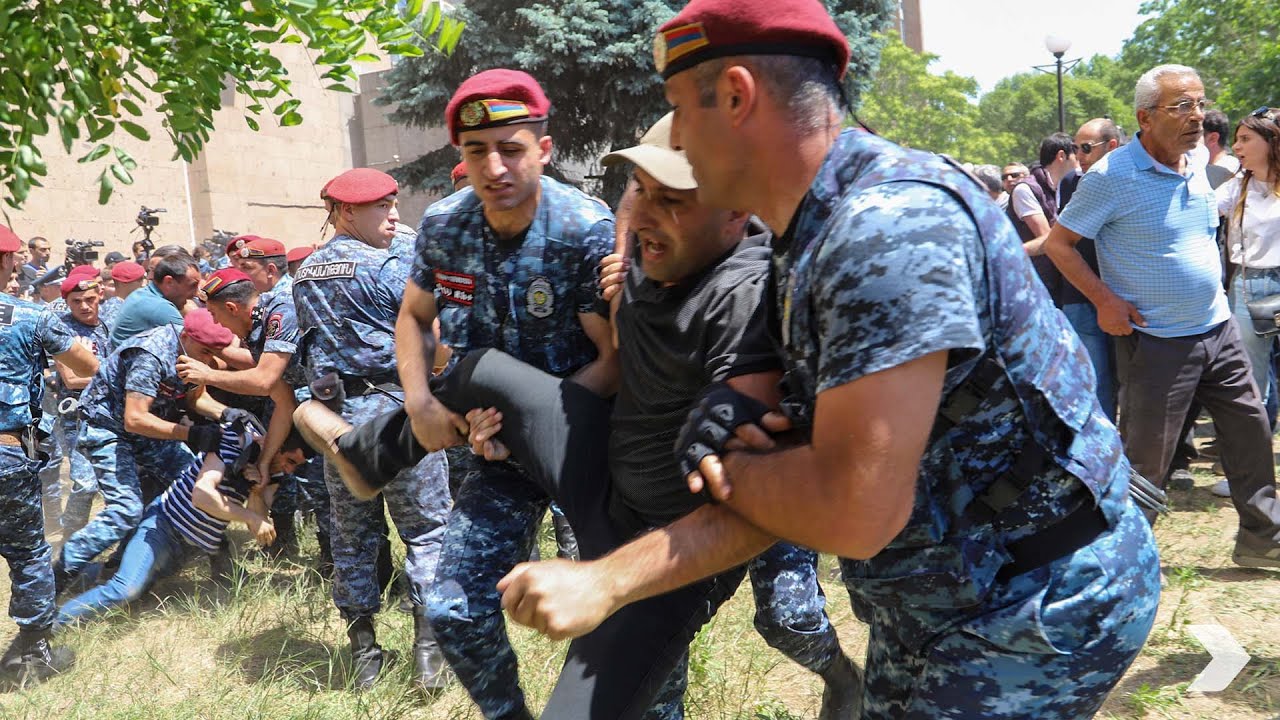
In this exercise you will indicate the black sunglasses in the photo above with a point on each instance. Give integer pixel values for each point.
(1013, 176)
(1087, 148)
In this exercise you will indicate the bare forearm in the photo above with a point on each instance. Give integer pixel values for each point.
(148, 425)
(415, 355)
(709, 540)
(1073, 267)
(601, 376)
(217, 505)
(242, 382)
(281, 421)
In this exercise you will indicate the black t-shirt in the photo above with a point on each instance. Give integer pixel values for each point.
(674, 341)
(1086, 248)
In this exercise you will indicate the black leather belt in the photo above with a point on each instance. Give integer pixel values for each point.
(1073, 532)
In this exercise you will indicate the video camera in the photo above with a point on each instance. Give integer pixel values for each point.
(148, 221)
(81, 252)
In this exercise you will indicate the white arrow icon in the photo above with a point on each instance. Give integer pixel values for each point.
(1228, 658)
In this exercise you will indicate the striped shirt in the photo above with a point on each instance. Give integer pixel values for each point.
(195, 526)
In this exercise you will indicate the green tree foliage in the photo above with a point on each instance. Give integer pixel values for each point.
(1234, 44)
(87, 68)
(1022, 109)
(911, 106)
(593, 58)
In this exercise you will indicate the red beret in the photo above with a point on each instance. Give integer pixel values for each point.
(299, 253)
(75, 283)
(359, 186)
(9, 242)
(85, 270)
(253, 246)
(236, 243)
(708, 29)
(221, 280)
(199, 325)
(458, 173)
(127, 271)
(493, 98)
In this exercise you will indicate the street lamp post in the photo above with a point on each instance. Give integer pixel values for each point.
(1059, 46)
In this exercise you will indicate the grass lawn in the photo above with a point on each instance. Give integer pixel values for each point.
(276, 648)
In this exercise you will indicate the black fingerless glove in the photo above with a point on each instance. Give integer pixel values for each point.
(711, 424)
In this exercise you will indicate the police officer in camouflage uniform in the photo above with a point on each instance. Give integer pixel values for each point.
(269, 328)
(347, 295)
(946, 439)
(132, 432)
(27, 334)
(507, 263)
(83, 318)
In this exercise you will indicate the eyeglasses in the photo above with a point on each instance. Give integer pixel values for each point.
(1186, 106)
(1087, 148)
(1013, 176)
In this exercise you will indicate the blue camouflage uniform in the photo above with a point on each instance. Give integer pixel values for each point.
(931, 264)
(523, 298)
(146, 364)
(28, 334)
(275, 330)
(66, 431)
(347, 296)
(108, 308)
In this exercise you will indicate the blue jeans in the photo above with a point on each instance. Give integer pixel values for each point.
(154, 551)
(1084, 319)
(1261, 283)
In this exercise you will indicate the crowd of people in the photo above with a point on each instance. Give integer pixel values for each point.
(791, 337)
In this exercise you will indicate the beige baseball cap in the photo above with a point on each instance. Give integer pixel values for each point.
(655, 156)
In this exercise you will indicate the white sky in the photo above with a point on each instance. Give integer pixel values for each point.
(992, 39)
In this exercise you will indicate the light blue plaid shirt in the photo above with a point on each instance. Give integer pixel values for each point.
(1155, 237)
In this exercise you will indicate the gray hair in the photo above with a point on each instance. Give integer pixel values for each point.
(1147, 92)
(807, 87)
(990, 177)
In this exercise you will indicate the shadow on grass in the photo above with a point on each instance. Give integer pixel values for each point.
(1253, 689)
(287, 655)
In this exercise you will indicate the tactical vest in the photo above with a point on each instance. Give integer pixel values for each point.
(949, 557)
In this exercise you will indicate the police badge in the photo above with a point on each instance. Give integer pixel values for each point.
(540, 299)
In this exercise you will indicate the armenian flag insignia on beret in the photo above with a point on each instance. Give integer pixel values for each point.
(495, 97)
(709, 29)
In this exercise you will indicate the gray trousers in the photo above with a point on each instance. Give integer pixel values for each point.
(1159, 378)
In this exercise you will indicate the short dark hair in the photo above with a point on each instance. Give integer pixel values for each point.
(807, 87)
(173, 263)
(294, 441)
(1050, 146)
(1216, 121)
(31, 244)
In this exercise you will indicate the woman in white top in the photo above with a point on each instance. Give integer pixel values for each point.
(1253, 228)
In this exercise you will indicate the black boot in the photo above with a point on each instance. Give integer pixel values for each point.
(30, 659)
(324, 564)
(286, 542)
(367, 658)
(430, 671)
(842, 697)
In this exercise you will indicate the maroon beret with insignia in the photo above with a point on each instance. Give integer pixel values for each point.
(237, 242)
(708, 29)
(221, 280)
(260, 247)
(76, 283)
(9, 242)
(83, 271)
(299, 253)
(200, 326)
(359, 186)
(127, 271)
(458, 173)
(493, 98)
